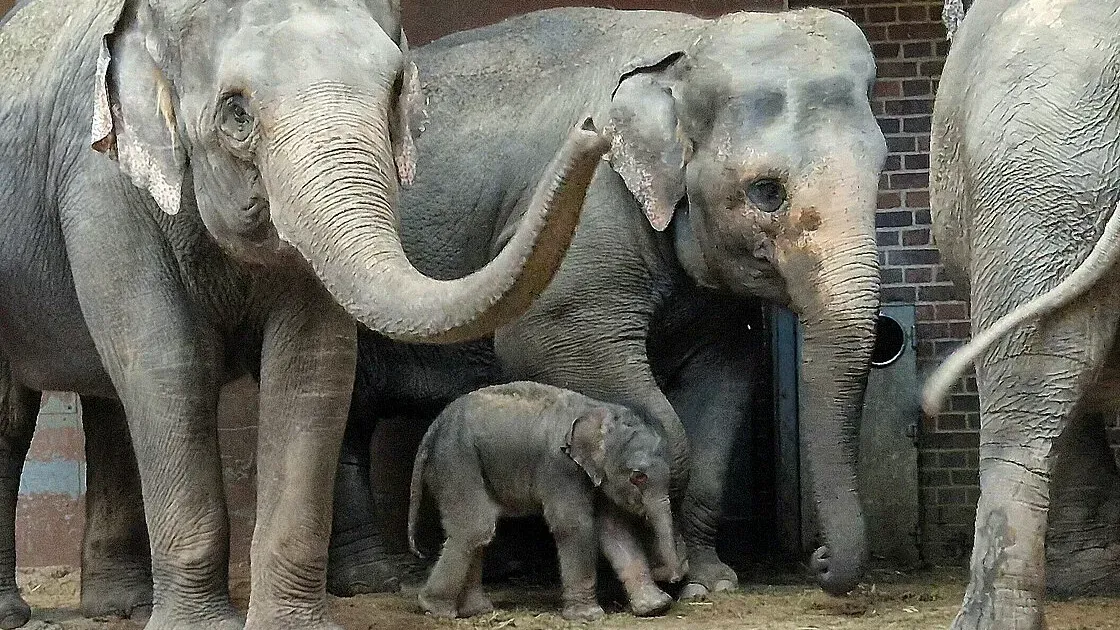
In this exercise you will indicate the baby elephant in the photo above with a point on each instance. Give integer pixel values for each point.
(594, 470)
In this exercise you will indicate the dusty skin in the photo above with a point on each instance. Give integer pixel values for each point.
(889, 601)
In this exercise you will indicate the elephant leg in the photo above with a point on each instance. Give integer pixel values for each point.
(572, 524)
(1029, 394)
(630, 564)
(713, 403)
(474, 601)
(470, 518)
(711, 387)
(20, 407)
(116, 559)
(1083, 539)
(307, 376)
(358, 560)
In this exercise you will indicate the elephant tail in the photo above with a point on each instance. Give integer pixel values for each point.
(1104, 255)
(416, 489)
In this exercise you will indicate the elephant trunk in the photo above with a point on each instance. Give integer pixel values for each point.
(332, 183)
(838, 336)
(665, 545)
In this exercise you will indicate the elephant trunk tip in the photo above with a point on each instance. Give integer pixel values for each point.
(835, 578)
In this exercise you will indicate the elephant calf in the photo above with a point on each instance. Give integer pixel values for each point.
(526, 448)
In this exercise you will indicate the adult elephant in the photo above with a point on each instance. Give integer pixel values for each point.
(744, 161)
(253, 192)
(1025, 184)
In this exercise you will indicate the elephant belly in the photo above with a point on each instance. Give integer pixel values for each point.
(42, 332)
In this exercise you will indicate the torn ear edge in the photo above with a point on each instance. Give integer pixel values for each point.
(638, 66)
(137, 128)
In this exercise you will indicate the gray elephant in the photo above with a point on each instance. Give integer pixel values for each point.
(1025, 183)
(744, 164)
(241, 186)
(525, 448)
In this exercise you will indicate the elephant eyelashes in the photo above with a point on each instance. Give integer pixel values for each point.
(234, 120)
(638, 478)
(767, 195)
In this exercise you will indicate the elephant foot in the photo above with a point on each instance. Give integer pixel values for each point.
(372, 570)
(14, 611)
(164, 619)
(289, 623)
(834, 578)
(475, 603)
(582, 612)
(122, 590)
(437, 606)
(1003, 609)
(651, 602)
(707, 574)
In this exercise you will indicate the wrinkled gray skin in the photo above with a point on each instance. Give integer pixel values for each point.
(1025, 184)
(745, 161)
(142, 284)
(524, 449)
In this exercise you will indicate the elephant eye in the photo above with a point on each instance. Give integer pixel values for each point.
(638, 478)
(767, 195)
(235, 121)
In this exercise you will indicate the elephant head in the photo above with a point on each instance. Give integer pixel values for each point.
(757, 147)
(625, 459)
(285, 123)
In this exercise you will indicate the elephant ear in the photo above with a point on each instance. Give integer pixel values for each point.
(410, 104)
(134, 114)
(585, 443)
(648, 149)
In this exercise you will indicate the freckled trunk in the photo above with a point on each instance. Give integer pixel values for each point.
(838, 337)
(332, 182)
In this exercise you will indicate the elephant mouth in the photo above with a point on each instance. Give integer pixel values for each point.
(256, 222)
(256, 241)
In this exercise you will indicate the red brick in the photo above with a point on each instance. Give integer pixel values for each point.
(919, 275)
(917, 237)
(888, 200)
(874, 32)
(930, 68)
(915, 14)
(882, 14)
(886, 238)
(903, 181)
(914, 256)
(901, 145)
(916, 161)
(913, 31)
(888, 88)
(916, 198)
(952, 311)
(897, 295)
(886, 50)
(897, 69)
(918, 124)
(917, 87)
(909, 106)
(917, 49)
(937, 293)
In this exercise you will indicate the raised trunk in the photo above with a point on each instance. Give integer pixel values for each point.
(332, 184)
(838, 338)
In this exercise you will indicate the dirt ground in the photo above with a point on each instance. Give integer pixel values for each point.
(887, 601)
